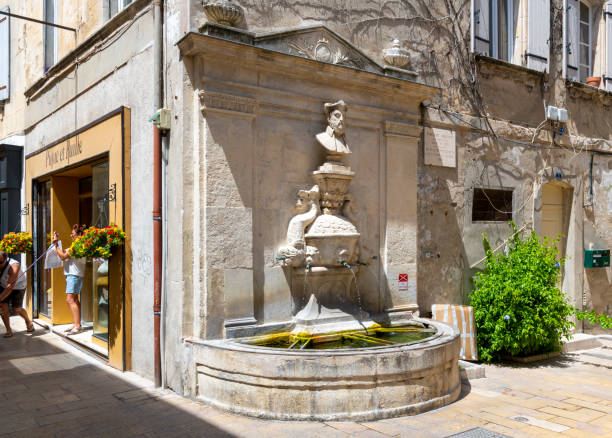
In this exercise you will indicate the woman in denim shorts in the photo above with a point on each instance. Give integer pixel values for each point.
(74, 270)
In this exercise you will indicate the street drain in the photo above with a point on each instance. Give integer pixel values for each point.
(478, 432)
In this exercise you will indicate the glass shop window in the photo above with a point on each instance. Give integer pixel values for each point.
(492, 205)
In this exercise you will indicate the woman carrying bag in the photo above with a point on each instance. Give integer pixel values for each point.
(74, 270)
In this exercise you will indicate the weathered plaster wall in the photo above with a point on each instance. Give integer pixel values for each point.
(103, 83)
(23, 42)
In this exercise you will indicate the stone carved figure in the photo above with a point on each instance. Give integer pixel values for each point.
(307, 209)
(333, 138)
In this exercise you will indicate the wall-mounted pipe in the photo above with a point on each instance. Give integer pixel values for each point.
(157, 190)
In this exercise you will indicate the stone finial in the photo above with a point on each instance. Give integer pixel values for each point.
(396, 56)
(224, 12)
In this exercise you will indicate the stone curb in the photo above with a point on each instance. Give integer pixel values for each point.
(582, 341)
(470, 371)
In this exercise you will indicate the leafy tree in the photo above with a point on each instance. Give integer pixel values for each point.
(518, 308)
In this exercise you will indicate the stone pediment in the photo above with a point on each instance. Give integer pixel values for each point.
(316, 42)
(320, 44)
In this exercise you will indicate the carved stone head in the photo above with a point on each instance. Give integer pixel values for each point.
(335, 117)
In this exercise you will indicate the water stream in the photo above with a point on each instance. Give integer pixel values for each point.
(357, 290)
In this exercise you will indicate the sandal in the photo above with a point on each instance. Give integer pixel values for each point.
(8, 335)
(69, 329)
(30, 329)
(75, 331)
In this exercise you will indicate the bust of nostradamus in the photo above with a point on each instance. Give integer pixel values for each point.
(333, 138)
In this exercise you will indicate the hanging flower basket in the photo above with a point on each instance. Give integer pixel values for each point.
(97, 242)
(15, 243)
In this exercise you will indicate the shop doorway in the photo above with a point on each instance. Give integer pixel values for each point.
(79, 195)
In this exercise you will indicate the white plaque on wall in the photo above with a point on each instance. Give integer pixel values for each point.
(440, 147)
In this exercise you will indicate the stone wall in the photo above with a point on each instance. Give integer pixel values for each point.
(501, 150)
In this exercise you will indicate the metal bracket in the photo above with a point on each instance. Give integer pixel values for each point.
(112, 193)
(25, 211)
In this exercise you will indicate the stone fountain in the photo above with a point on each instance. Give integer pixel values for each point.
(322, 245)
(305, 379)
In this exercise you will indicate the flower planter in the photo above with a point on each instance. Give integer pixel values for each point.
(16, 243)
(593, 81)
(97, 242)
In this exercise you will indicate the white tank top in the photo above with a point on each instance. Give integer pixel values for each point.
(21, 283)
(75, 266)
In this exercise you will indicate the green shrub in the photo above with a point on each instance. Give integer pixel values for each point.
(604, 321)
(518, 309)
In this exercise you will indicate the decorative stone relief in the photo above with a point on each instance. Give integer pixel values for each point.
(227, 102)
(224, 12)
(306, 209)
(325, 51)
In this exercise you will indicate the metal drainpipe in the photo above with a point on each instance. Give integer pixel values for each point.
(157, 195)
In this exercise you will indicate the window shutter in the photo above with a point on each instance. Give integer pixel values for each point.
(538, 34)
(5, 56)
(482, 29)
(608, 16)
(573, 43)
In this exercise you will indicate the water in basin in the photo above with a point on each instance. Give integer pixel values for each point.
(373, 337)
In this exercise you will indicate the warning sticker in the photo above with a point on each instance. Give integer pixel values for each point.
(402, 282)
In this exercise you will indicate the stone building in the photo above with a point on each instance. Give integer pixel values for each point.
(479, 113)
(77, 101)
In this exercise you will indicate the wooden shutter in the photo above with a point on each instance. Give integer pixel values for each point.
(482, 27)
(5, 55)
(608, 17)
(538, 34)
(573, 40)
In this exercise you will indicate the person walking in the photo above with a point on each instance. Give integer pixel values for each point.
(13, 284)
(74, 270)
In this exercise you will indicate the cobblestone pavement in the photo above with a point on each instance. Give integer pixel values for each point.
(49, 388)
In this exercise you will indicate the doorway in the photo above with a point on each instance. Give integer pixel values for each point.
(555, 213)
(79, 195)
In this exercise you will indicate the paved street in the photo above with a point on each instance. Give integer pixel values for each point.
(48, 388)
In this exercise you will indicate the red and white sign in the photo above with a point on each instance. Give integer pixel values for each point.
(402, 282)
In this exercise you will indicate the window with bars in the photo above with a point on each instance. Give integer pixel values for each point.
(492, 205)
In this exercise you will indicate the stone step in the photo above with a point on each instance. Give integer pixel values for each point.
(598, 356)
(581, 341)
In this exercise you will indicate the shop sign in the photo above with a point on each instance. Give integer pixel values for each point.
(71, 148)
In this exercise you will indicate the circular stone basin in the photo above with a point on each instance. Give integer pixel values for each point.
(357, 384)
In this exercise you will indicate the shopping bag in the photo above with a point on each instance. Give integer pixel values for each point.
(52, 260)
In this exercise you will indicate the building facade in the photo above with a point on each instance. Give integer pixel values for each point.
(512, 132)
(78, 113)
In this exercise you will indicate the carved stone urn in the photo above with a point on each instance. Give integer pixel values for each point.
(396, 56)
(224, 12)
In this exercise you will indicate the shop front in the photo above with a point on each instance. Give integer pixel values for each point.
(84, 178)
